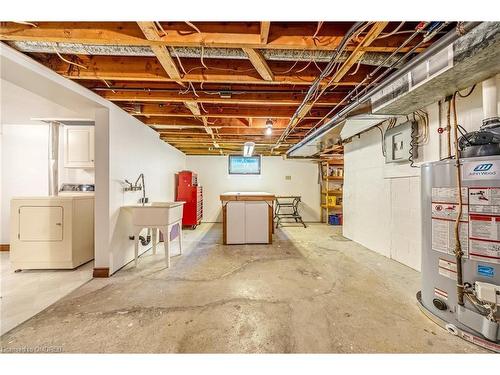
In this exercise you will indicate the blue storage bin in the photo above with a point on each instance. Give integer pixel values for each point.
(333, 219)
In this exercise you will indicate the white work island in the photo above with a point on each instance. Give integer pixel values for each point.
(247, 217)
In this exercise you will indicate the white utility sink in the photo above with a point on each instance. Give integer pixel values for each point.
(163, 216)
(156, 214)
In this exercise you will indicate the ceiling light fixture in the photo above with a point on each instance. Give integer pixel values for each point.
(248, 148)
(269, 127)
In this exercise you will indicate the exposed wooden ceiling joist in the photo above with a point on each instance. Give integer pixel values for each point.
(264, 31)
(244, 35)
(372, 34)
(226, 99)
(150, 31)
(158, 110)
(244, 98)
(148, 69)
(260, 64)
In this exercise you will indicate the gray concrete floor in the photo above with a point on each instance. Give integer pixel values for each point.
(311, 291)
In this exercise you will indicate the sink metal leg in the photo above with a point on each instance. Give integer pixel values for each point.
(166, 244)
(136, 249)
(180, 238)
(153, 238)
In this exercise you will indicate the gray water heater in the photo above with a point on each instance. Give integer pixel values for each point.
(478, 319)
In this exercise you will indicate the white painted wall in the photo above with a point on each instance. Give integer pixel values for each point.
(382, 201)
(134, 149)
(24, 148)
(214, 178)
(124, 147)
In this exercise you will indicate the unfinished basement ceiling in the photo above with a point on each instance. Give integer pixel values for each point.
(209, 87)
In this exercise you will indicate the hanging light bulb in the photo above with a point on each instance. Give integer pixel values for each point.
(269, 127)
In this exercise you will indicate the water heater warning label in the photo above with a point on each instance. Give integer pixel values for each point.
(484, 200)
(444, 216)
(447, 268)
(484, 224)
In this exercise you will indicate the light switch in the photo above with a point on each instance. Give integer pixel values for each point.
(288, 178)
(398, 146)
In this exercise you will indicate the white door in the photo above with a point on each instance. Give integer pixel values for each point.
(235, 226)
(79, 146)
(256, 222)
(41, 223)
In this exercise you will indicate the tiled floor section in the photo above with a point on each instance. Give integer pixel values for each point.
(24, 294)
(311, 291)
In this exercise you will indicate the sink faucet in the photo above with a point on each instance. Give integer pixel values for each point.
(137, 187)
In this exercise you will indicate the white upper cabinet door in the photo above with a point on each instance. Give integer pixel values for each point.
(79, 146)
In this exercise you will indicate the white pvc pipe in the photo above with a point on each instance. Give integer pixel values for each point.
(490, 106)
(53, 158)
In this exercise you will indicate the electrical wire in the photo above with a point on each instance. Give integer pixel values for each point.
(160, 28)
(412, 146)
(315, 86)
(178, 60)
(320, 23)
(370, 76)
(107, 84)
(67, 61)
(458, 246)
(192, 26)
(468, 94)
(26, 23)
(357, 68)
(382, 135)
(201, 56)
(392, 32)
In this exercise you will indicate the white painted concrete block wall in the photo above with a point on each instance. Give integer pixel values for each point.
(382, 201)
(215, 180)
(134, 149)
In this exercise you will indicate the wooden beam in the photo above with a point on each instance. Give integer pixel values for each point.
(259, 63)
(148, 69)
(246, 98)
(264, 31)
(218, 123)
(193, 107)
(275, 112)
(127, 33)
(360, 50)
(150, 31)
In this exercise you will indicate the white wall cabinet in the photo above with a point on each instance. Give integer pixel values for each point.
(78, 146)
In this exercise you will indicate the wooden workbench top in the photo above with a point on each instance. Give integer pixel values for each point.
(247, 196)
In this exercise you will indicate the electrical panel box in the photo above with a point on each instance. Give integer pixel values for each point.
(400, 143)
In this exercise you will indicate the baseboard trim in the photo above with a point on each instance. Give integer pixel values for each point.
(101, 272)
(4, 247)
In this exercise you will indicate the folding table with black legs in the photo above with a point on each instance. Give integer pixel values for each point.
(287, 207)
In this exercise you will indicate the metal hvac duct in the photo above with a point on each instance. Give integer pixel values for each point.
(369, 58)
